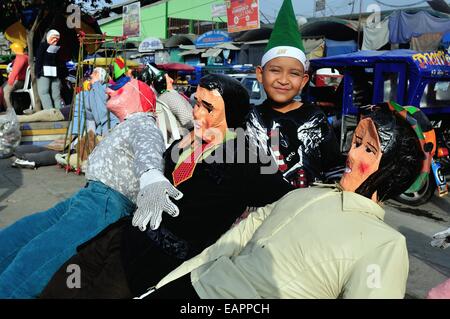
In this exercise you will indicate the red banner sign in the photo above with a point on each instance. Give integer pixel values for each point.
(242, 15)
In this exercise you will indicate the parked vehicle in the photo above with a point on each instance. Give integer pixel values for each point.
(404, 76)
(202, 70)
(254, 89)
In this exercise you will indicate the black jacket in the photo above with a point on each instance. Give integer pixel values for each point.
(43, 57)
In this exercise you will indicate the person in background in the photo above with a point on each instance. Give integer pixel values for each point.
(17, 76)
(46, 69)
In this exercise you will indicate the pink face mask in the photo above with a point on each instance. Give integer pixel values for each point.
(125, 101)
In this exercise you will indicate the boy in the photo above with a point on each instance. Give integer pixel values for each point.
(295, 133)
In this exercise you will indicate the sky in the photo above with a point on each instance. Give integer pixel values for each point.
(332, 7)
(269, 8)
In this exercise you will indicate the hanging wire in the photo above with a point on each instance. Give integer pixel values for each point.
(400, 6)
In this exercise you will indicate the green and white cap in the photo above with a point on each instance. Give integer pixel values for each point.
(285, 40)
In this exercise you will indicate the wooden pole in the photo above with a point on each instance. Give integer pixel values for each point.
(359, 22)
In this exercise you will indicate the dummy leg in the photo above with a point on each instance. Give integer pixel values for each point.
(56, 92)
(19, 234)
(101, 271)
(43, 84)
(90, 211)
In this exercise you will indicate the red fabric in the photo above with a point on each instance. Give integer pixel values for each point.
(120, 63)
(19, 69)
(185, 170)
(148, 98)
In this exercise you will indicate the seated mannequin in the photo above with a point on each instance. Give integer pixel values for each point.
(121, 261)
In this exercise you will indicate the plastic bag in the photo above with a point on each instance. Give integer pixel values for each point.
(9, 133)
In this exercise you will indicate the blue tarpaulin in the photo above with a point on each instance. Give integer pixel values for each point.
(425, 64)
(446, 40)
(339, 47)
(403, 26)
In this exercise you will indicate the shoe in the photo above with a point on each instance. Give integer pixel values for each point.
(23, 164)
(61, 159)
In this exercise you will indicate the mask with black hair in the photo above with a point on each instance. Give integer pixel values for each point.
(406, 154)
(235, 96)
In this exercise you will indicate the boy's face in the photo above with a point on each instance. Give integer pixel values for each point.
(209, 115)
(364, 156)
(283, 78)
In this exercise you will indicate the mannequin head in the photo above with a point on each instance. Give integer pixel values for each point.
(383, 165)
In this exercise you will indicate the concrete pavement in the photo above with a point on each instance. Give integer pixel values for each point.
(25, 191)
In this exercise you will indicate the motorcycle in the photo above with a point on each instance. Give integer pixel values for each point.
(440, 165)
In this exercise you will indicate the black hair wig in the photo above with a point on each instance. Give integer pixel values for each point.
(235, 96)
(401, 161)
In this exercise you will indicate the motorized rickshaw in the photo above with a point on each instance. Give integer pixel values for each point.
(404, 76)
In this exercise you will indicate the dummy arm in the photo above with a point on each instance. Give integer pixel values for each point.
(153, 199)
(179, 106)
(234, 240)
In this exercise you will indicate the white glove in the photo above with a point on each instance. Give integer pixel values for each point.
(441, 239)
(153, 199)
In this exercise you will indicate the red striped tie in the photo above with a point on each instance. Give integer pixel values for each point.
(185, 170)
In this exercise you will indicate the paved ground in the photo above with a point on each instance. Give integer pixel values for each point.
(24, 191)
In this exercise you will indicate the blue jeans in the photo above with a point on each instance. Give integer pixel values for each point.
(34, 248)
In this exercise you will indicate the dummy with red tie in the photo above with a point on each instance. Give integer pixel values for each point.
(219, 178)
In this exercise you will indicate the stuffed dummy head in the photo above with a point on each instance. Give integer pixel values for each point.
(119, 68)
(390, 152)
(52, 37)
(17, 48)
(98, 74)
(221, 102)
(133, 97)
